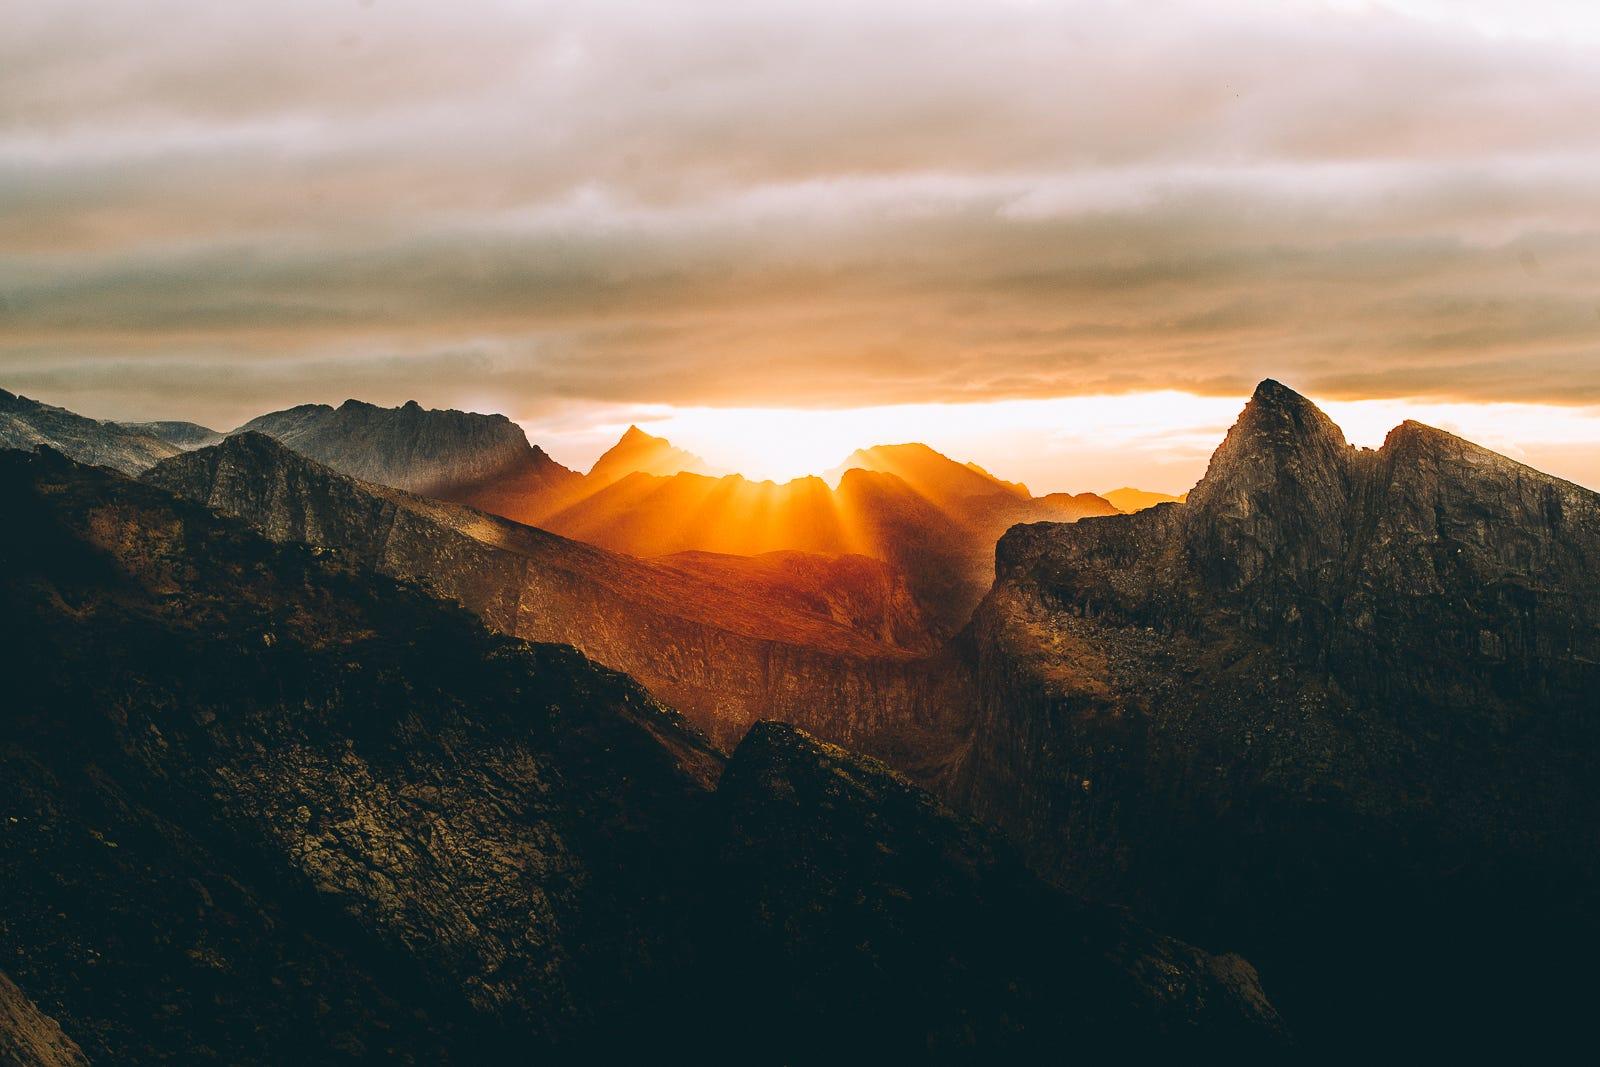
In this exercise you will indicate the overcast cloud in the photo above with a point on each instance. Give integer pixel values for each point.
(208, 210)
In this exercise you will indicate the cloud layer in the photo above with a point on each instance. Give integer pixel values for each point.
(207, 210)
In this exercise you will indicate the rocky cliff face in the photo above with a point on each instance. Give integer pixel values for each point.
(455, 455)
(29, 1037)
(1339, 707)
(262, 805)
(26, 424)
(830, 644)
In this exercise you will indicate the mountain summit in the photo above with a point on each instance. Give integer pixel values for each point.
(1362, 684)
(637, 452)
(27, 424)
(453, 455)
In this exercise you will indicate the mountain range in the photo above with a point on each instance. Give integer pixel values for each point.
(263, 804)
(1334, 711)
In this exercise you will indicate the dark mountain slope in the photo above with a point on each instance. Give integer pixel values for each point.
(881, 931)
(266, 807)
(728, 640)
(1337, 711)
(26, 424)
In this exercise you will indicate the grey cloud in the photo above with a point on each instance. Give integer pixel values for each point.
(760, 203)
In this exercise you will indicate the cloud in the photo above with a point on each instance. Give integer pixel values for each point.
(231, 208)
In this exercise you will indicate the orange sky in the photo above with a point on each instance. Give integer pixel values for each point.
(1158, 441)
(581, 215)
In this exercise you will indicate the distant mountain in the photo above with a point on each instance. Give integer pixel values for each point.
(726, 639)
(1129, 500)
(935, 477)
(453, 455)
(933, 518)
(266, 806)
(26, 424)
(637, 452)
(1337, 710)
(182, 434)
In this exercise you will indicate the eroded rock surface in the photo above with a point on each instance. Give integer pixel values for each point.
(831, 644)
(1337, 711)
(27, 424)
(262, 805)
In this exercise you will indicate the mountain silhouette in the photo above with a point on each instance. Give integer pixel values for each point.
(637, 452)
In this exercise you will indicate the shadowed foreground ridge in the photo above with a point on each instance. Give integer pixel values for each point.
(269, 807)
(1337, 711)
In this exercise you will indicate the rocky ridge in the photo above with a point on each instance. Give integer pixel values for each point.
(1337, 712)
(262, 804)
(26, 424)
(454, 455)
(833, 644)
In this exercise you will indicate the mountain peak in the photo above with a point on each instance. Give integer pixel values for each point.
(1274, 494)
(638, 452)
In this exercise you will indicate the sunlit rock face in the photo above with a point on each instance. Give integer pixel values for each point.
(1337, 711)
(832, 644)
(264, 805)
(27, 424)
(29, 1036)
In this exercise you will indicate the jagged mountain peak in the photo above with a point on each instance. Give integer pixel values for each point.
(930, 472)
(441, 452)
(1283, 456)
(639, 452)
(27, 424)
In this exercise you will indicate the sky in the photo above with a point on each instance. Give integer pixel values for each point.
(1061, 239)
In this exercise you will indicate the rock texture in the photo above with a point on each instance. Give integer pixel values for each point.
(182, 434)
(30, 1038)
(26, 424)
(262, 805)
(1337, 712)
(454, 455)
(933, 519)
(829, 643)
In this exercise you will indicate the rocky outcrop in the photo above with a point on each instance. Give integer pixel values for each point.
(29, 1037)
(829, 643)
(27, 424)
(454, 455)
(1336, 711)
(262, 805)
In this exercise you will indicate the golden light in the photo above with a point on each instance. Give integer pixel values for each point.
(1157, 440)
